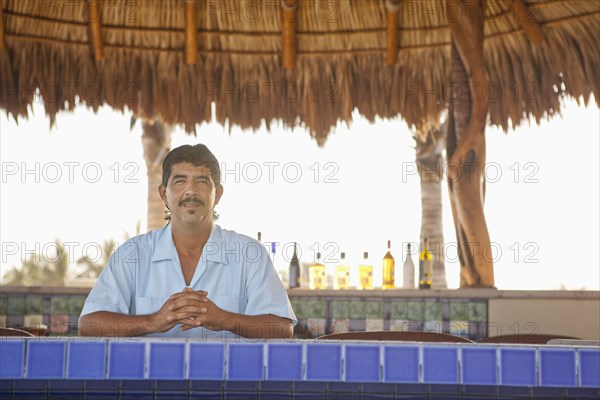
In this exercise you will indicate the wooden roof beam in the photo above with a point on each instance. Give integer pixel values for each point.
(191, 32)
(95, 27)
(392, 7)
(528, 22)
(288, 33)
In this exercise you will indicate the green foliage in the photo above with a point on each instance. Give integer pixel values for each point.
(40, 270)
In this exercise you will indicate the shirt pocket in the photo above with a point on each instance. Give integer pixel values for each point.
(149, 305)
(228, 303)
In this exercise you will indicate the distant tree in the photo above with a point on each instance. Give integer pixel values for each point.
(93, 267)
(41, 270)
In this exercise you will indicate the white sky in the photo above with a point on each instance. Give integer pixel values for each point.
(542, 204)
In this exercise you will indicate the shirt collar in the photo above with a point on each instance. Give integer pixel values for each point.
(165, 247)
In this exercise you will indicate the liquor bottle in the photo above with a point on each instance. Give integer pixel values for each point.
(365, 273)
(316, 274)
(388, 268)
(408, 281)
(425, 267)
(294, 279)
(342, 274)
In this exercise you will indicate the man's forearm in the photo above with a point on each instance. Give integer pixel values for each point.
(266, 326)
(104, 323)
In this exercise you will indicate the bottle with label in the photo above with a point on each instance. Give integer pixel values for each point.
(316, 274)
(408, 281)
(388, 268)
(425, 267)
(342, 274)
(294, 278)
(365, 273)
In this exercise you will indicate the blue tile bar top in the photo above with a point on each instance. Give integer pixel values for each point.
(299, 366)
(46, 359)
(127, 360)
(86, 360)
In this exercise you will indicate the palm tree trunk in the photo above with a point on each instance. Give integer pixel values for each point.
(466, 145)
(430, 160)
(156, 138)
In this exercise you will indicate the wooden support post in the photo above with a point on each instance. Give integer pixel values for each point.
(95, 27)
(191, 32)
(391, 7)
(1, 26)
(289, 21)
(465, 148)
(528, 22)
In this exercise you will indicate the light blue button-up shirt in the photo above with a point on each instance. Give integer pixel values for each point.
(234, 269)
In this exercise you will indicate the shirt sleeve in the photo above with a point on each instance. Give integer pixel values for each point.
(266, 294)
(114, 288)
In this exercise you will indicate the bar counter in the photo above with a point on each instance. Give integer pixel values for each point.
(94, 368)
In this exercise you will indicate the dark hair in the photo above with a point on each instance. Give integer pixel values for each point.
(198, 155)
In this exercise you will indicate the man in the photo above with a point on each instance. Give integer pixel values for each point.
(190, 278)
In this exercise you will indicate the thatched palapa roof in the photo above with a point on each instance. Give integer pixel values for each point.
(138, 59)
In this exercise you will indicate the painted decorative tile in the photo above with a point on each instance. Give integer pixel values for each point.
(373, 310)
(433, 326)
(14, 321)
(433, 310)
(357, 309)
(16, 305)
(33, 320)
(76, 305)
(399, 310)
(414, 326)
(3, 304)
(416, 310)
(459, 311)
(478, 312)
(480, 330)
(34, 305)
(317, 309)
(316, 326)
(374, 324)
(59, 324)
(357, 325)
(340, 309)
(399, 324)
(340, 325)
(458, 328)
(59, 305)
(298, 307)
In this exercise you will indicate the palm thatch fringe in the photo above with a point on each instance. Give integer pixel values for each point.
(336, 72)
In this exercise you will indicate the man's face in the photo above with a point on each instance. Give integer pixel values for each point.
(191, 194)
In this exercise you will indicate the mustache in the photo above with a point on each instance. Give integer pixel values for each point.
(193, 200)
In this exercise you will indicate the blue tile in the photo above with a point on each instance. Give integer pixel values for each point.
(479, 366)
(245, 361)
(517, 367)
(284, 362)
(87, 360)
(11, 358)
(589, 368)
(557, 367)
(45, 360)
(206, 361)
(401, 364)
(362, 363)
(324, 362)
(167, 360)
(126, 360)
(440, 364)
